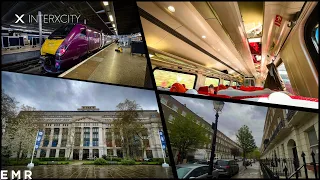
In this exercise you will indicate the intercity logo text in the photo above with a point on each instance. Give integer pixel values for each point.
(48, 18)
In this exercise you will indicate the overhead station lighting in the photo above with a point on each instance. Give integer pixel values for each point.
(105, 3)
(113, 25)
(151, 55)
(111, 18)
(171, 8)
(203, 37)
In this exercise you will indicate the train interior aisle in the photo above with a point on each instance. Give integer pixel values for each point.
(75, 40)
(258, 51)
(111, 66)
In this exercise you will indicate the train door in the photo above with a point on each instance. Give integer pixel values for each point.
(83, 43)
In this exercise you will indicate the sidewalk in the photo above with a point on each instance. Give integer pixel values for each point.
(251, 172)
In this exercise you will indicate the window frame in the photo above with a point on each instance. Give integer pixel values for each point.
(176, 71)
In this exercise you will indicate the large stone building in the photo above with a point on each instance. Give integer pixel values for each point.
(288, 133)
(89, 133)
(173, 108)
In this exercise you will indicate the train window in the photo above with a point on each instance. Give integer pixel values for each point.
(315, 37)
(226, 82)
(284, 76)
(61, 32)
(165, 78)
(84, 32)
(213, 81)
(234, 83)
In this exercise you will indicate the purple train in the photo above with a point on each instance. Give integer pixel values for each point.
(67, 45)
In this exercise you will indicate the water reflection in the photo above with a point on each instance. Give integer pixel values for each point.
(92, 171)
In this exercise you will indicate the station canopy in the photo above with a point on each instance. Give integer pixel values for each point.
(96, 13)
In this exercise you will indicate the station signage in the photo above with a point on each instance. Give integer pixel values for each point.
(47, 18)
(278, 20)
(38, 140)
(163, 141)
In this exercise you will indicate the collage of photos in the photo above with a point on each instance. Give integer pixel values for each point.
(159, 90)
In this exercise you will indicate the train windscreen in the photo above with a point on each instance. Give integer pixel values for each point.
(61, 32)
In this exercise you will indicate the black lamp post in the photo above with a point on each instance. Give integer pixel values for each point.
(218, 105)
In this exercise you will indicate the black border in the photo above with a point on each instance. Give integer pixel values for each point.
(176, 71)
(240, 101)
(164, 126)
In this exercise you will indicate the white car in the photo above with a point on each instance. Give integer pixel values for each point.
(195, 171)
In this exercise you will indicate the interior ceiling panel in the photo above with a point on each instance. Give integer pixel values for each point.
(229, 15)
(190, 23)
(178, 48)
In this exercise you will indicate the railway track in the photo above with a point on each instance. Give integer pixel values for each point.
(22, 66)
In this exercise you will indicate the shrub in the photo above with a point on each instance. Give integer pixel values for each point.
(128, 162)
(104, 157)
(144, 163)
(100, 161)
(53, 159)
(88, 163)
(114, 159)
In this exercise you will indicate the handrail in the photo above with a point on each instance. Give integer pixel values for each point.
(296, 171)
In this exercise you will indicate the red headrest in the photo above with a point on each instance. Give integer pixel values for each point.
(177, 87)
(203, 88)
(221, 86)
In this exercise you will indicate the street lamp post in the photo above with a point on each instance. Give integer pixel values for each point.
(218, 105)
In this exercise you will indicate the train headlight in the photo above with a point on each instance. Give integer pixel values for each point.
(61, 51)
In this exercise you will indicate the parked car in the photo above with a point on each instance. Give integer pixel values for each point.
(227, 167)
(201, 161)
(195, 171)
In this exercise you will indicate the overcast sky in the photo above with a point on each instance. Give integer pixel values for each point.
(45, 93)
(232, 117)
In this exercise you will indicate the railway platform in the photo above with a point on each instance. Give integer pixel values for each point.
(109, 66)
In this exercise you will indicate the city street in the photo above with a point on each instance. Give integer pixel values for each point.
(251, 171)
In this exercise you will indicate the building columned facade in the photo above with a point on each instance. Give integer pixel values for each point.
(172, 108)
(288, 133)
(89, 133)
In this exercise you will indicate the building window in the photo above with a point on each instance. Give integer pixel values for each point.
(171, 118)
(52, 153)
(149, 154)
(164, 100)
(43, 153)
(312, 136)
(95, 143)
(175, 108)
(110, 152)
(146, 143)
(62, 152)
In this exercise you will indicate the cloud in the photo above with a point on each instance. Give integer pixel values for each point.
(232, 117)
(45, 93)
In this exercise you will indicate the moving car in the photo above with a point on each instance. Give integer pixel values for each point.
(227, 167)
(195, 171)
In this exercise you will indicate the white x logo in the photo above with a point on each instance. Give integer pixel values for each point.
(19, 18)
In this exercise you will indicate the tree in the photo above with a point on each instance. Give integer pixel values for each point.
(128, 124)
(21, 132)
(8, 109)
(246, 140)
(255, 154)
(185, 134)
(235, 152)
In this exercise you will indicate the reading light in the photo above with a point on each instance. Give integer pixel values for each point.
(105, 3)
(171, 8)
(111, 18)
(203, 37)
